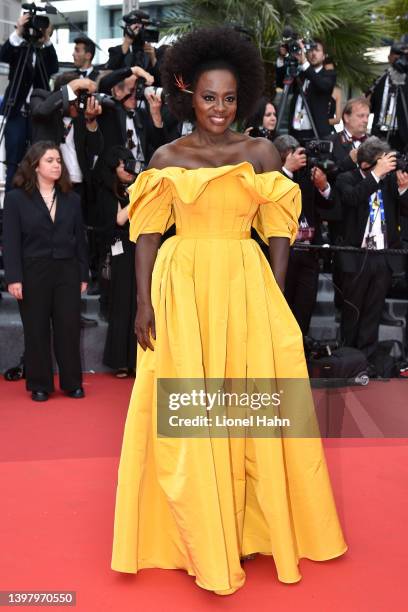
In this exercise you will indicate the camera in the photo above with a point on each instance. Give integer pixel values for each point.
(318, 154)
(401, 63)
(149, 31)
(290, 41)
(262, 132)
(402, 161)
(35, 28)
(129, 165)
(104, 100)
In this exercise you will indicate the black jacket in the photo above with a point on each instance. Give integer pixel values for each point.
(30, 76)
(28, 231)
(376, 103)
(354, 192)
(313, 203)
(113, 121)
(134, 57)
(318, 95)
(47, 110)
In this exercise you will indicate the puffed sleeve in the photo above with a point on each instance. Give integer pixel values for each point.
(280, 206)
(150, 209)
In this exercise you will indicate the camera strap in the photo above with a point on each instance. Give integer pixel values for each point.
(376, 204)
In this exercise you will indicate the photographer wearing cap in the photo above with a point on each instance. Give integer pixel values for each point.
(303, 267)
(134, 50)
(128, 123)
(373, 196)
(318, 83)
(32, 60)
(389, 100)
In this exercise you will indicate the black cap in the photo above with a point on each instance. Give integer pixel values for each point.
(399, 48)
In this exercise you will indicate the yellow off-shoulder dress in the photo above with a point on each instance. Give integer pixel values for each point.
(202, 504)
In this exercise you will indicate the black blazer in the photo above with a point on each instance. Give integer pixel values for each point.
(31, 76)
(354, 192)
(376, 103)
(47, 110)
(318, 97)
(28, 231)
(113, 121)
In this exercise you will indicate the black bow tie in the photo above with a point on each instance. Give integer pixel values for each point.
(130, 113)
(82, 73)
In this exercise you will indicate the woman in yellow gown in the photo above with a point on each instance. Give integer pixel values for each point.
(209, 307)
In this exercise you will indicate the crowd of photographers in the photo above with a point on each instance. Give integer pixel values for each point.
(108, 121)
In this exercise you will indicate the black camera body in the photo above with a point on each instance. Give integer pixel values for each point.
(402, 161)
(104, 100)
(149, 31)
(290, 41)
(129, 165)
(262, 132)
(35, 28)
(318, 154)
(401, 63)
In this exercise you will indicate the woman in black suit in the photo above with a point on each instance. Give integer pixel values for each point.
(113, 200)
(46, 267)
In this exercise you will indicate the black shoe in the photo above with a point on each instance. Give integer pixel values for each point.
(85, 322)
(387, 319)
(16, 373)
(76, 393)
(39, 396)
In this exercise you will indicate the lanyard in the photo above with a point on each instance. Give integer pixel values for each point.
(376, 204)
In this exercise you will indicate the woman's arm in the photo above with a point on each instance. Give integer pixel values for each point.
(278, 247)
(147, 246)
(123, 215)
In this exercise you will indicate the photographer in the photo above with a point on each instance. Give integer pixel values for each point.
(263, 121)
(58, 116)
(127, 123)
(303, 267)
(32, 60)
(118, 173)
(386, 96)
(318, 84)
(372, 196)
(134, 50)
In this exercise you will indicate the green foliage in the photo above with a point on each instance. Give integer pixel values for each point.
(395, 14)
(349, 27)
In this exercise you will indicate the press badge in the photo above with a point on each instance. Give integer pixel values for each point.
(117, 248)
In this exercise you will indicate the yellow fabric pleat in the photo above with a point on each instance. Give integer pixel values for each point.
(201, 504)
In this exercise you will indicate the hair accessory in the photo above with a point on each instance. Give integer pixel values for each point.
(181, 85)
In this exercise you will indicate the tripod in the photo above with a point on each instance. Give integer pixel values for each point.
(399, 94)
(288, 82)
(29, 50)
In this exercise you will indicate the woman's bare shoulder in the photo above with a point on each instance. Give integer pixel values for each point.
(266, 154)
(171, 154)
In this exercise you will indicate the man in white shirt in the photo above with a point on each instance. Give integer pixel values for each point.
(317, 85)
(30, 67)
(373, 196)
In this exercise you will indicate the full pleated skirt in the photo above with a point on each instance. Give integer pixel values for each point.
(202, 504)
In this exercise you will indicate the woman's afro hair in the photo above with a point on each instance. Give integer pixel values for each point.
(206, 49)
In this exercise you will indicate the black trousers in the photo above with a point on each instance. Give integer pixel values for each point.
(51, 294)
(301, 286)
(364, 294)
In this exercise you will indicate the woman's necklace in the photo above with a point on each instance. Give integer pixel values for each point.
(50, 199)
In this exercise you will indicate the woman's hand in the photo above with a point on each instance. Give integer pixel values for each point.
(16, 290)
(145, 325)
(84, 287)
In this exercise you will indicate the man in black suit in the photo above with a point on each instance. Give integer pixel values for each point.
(83, 54)
(317, 85)
(41, 62)
(373, 197)
(129, 124)
(303, 267)
(390, 119)
(56, 117)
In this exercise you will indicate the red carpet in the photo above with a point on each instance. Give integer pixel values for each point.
(58, 464)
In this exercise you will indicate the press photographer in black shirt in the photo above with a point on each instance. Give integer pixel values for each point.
(373, 196)
(303, 266)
